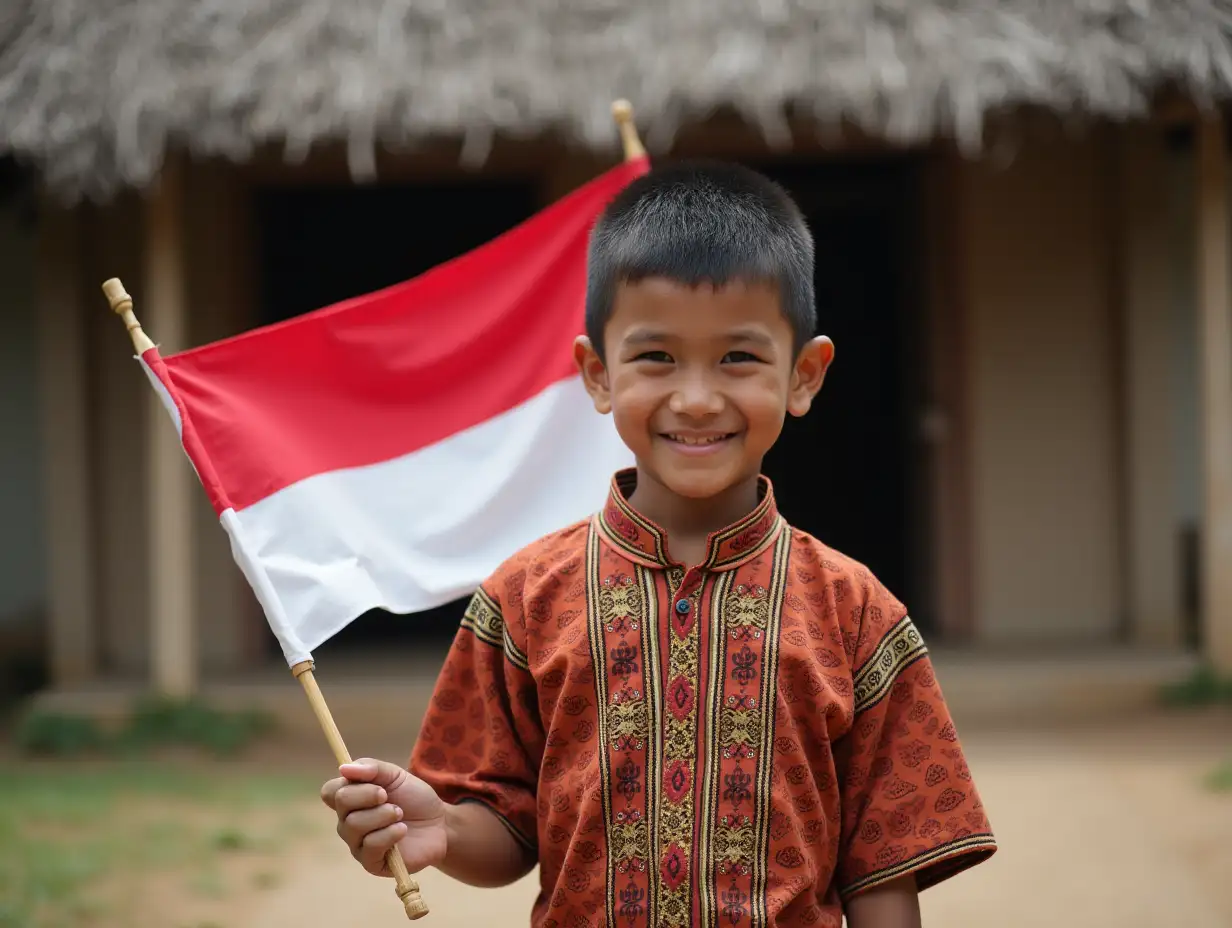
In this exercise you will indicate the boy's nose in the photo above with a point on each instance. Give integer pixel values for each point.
(695, 399)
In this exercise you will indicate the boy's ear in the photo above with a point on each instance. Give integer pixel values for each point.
(594, 374)
(812, 363)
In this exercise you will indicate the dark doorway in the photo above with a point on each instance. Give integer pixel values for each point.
(844, 472)
(321, 245)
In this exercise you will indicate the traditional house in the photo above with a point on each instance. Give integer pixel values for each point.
(1021, 211)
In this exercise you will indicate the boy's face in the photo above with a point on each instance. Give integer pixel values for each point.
(699, 379)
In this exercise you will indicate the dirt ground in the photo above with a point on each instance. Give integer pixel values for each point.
(1097, 827)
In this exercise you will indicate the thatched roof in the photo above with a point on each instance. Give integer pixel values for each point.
(91, 91)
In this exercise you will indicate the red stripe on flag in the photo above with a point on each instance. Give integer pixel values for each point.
(189, 438)
(386, 374)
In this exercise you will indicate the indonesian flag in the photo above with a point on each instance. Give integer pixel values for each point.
(391, 450)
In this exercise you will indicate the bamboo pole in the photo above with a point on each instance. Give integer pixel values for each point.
(407, 888)
(404, 884)
(622, 112)
(122, 305)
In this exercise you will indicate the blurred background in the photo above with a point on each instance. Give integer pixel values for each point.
(1022, 218)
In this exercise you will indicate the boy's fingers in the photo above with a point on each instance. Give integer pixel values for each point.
(329, 790)
(372, 850)
(355, 796)
(380, 772)
(366, 821)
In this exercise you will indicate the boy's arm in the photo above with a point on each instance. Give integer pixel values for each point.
(910, 805)
(481, 741)
(480, 850)
(381, 806)
(891, 905)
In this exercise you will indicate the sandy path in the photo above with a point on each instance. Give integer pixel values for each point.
(1105, 828)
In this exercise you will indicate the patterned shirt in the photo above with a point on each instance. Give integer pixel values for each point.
(747, 742)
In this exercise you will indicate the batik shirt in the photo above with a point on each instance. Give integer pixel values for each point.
(745, 742)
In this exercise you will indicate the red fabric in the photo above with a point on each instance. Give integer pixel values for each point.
(383, 375)
(188, 433)
(754, 757)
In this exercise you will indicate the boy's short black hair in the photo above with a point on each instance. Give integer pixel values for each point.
(700, 222)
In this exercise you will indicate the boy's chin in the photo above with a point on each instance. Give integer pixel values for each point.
(699, 483)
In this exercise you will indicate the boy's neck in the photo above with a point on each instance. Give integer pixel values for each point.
(689, 522)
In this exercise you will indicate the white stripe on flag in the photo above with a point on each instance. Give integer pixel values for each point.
(426, 528)
(163, 395)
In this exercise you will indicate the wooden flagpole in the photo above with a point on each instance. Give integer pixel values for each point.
(622, 112)
(122, 305)
(407, 888)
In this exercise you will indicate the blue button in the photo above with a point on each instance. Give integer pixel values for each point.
(682, 606)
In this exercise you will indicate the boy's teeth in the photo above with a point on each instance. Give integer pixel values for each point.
(687, 440)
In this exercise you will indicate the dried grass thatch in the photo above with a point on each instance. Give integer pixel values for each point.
(92, 91)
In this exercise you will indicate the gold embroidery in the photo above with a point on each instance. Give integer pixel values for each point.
(713, 762)
(901, 646)
(680, 740)
(618, 515)
(619, 610)
(682, 657)
(674, 845)
(734, 836)
(483, 617)
(619, 599)
(765, 760)
(740, 727)
(681, 834)
(653, 721)
(644, 541)
(734, 842)
(628, 840)
(747, 607)
(674, 905)
(627, 719)
(675, 818)
(741, 552)
(595, 630)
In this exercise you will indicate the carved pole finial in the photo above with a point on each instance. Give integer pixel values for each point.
(622, 112)
(122, 305)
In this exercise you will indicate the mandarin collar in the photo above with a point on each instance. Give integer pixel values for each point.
(642, 541)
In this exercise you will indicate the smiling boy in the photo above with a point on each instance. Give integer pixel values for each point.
(684, 710)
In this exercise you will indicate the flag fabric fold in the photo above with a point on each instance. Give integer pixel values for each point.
(391, 450)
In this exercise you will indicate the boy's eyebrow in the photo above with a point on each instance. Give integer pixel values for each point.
(644, 337)
(754, 336)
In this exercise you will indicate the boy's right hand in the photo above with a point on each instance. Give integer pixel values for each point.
(381, 805)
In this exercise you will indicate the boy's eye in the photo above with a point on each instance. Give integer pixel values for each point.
(659, 357)
(740, 357)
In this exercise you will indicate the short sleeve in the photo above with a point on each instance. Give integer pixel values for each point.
(909, 802)
(481, 733)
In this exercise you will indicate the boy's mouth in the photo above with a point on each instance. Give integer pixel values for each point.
(699, 442)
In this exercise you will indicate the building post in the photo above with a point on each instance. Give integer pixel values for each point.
(63, 375)
(1142, 283)
(173, 640)
(1215, 347)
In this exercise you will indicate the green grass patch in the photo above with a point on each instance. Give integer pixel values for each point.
(69, 835)
(152, 723)
(1219, 780)
(1204, 687)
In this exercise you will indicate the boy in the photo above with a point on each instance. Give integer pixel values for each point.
(683, 710)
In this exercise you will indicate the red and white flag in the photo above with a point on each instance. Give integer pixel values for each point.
(391, 450)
